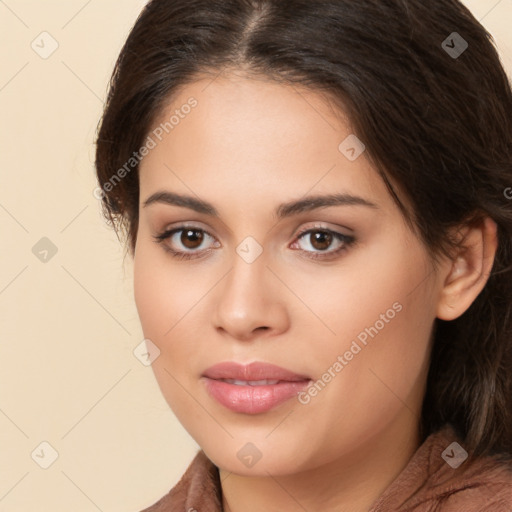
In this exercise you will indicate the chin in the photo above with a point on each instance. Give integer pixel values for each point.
(258, 458)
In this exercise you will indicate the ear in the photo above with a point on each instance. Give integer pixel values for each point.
(470, 269)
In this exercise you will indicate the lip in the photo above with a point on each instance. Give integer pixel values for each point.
(252, 371)
(252, 399)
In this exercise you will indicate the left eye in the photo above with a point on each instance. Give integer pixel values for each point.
(322, 239)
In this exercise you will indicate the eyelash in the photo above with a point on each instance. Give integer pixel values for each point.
(348, 241)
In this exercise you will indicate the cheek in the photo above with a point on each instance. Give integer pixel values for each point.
(380, 314)
(162, 292)
(149, 284)
(163, 299)
(384, 339)
(171, 302)
(367, 290)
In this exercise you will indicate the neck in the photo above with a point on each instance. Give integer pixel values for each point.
(350, 483)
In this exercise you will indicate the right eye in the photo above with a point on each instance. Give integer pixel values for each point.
(189, 237)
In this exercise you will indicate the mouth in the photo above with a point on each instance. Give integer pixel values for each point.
(253, 372)
(254, 388)
(264, 382)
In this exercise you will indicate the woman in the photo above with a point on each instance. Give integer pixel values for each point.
(317, 198)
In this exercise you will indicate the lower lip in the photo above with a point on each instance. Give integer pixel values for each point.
(253, 399)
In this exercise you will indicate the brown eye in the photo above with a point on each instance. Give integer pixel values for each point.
(191, 238)
(184, 242)
(320, 240)
(323, 243)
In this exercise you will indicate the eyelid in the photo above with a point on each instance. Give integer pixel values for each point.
(325, 226)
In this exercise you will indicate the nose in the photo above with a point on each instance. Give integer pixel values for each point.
(251, 301)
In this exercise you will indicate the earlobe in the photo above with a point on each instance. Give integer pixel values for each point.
(469, 270)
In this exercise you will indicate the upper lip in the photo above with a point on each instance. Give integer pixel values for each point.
(253, 371)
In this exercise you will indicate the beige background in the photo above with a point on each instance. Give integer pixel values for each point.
(68, 326)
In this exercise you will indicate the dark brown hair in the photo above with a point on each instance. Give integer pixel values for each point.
(435, 121)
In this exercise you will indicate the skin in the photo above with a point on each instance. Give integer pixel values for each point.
(249, 145)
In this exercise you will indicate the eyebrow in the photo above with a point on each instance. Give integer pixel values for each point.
(288, 209)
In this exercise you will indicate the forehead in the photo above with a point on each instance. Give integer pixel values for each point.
(254, 138)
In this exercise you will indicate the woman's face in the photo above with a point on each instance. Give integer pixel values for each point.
(354, 315)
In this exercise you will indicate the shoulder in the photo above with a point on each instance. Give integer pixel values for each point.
(484, 485)
(197, 490)
(441, 477)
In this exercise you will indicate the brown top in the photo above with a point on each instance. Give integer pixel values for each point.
(436, 479)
